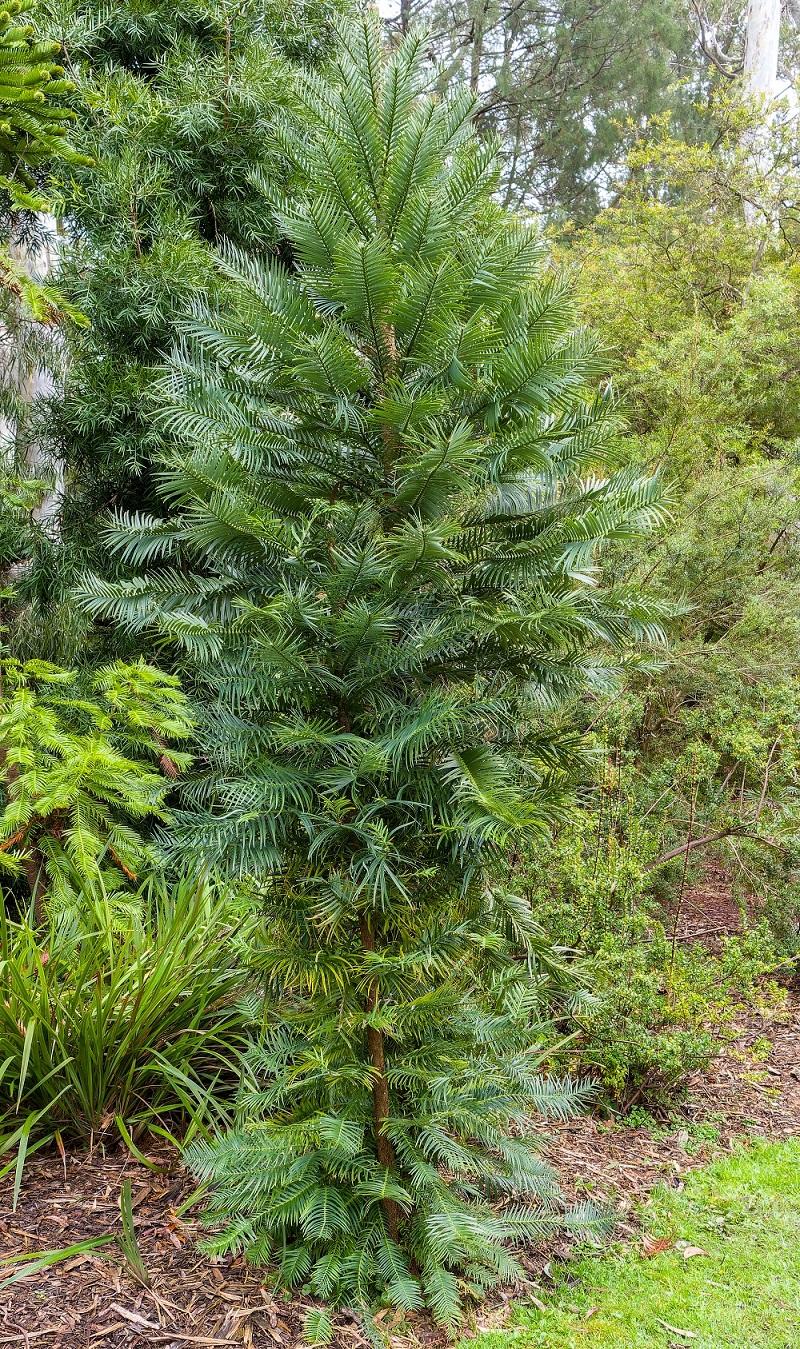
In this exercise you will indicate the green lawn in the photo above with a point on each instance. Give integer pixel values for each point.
(745, 1212)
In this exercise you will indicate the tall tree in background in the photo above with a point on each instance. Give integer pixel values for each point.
(385, 509)
(176, 105)
(743, 44)
(744, 39)
(559, 81)
(34, 140)
(761, 47)
(34, 125)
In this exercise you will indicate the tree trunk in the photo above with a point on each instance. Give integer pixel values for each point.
(477, 35)
(34, 382)
(380, 1087)
(761, 82)
(761, 47)
(36, 877)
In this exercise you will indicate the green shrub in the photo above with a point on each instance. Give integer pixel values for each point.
(140, 1026)
(638, 1039)
(85, 764)
(655, 1016)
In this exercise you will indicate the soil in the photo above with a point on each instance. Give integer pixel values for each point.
(94, 1298)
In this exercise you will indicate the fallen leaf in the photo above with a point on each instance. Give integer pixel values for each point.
(689, 1251)
(590, 1312)
(655, 1245)
(676, 1330)
(536, 1302)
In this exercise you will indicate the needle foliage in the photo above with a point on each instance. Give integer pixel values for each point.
(33, 118)
(84, 764)
(379, 561)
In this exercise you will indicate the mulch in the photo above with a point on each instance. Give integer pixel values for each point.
(93, 1300)
(707, 912)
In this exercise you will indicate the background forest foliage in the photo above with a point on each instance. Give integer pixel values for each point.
(400, 592)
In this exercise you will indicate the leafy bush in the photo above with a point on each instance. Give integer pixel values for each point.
(656, 1016)
(142, 1026)
(638, 1038)
(83, 762)
(704, 335)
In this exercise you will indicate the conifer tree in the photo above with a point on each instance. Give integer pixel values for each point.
(389, 491)
(79, 763)
(33, 117)
(175, 105)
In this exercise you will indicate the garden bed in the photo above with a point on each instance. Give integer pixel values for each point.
(92, 1300)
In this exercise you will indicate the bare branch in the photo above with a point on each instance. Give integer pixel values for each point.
(734, 831)
(729, 66)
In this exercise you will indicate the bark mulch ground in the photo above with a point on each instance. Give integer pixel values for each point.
(92, 1300)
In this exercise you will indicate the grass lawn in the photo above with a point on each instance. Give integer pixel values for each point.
(745, 1294)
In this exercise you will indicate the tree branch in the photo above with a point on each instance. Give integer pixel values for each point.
(728, 66)
(695, 843)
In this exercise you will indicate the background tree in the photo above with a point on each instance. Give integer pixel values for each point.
(379, 560)
(562, 81)
(176, 106)
(34, 124)
(703, 345)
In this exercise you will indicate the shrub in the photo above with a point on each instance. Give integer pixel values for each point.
(84, 762)
(142, 1026)
(654, 1017)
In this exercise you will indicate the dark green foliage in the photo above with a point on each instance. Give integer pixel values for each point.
(299, 1184)
(379, 561)
(176, 103)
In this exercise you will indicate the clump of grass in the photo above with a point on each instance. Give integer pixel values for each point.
(105, 1030)
(743, 1293)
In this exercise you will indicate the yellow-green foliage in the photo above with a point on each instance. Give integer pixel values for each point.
(84, 764)
(699, 312)
(33, 118)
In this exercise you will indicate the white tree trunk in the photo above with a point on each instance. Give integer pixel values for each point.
(31, 380)
(761, 47)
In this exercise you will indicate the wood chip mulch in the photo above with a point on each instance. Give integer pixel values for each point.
(92, 1300)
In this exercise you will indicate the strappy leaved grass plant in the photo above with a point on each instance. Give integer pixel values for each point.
(107, 1032)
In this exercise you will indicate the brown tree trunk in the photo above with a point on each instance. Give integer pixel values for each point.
(380, 1086)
